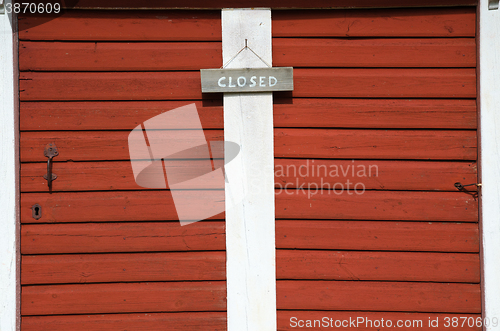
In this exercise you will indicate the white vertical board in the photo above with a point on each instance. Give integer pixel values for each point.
(489, 64)
(250, 229)
(8, 173)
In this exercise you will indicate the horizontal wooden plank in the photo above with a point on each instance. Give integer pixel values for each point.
(375, 205)
(111, 86)
(87, 146)
(123, 298)
(289, 143)
(199, 25)
(456, 52)
(339, 83)
(377, 266)
(103, 176)
(373, 175)
(426, 22)
(294, 264)
(85, 4)
(334, 113)
(385, 83)
(374, 144)
(373, 321)
(379, 296)
(375, 235)
(102, 56)
(122, 237)
(104, 268)
(362, 113)
(212, 321)
(331, 235)
(289, 173)
(297, 204)
(69, 56)
(112, 115)
(119, 206)
(126, 25)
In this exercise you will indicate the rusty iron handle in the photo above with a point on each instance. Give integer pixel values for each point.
(50, 151)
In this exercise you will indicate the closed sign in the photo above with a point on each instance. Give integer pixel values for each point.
(247, 80)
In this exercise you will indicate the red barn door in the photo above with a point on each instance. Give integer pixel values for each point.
(381, 124)
(107, 254)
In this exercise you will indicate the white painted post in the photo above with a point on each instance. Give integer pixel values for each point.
(250, 226)
(489, 75)
(8, 181)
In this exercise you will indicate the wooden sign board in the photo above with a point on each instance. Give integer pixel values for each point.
(247, 80)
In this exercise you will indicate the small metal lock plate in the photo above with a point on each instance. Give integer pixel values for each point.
(36, 211)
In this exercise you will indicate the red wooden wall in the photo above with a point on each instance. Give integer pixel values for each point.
(395, 89)
(108, 254)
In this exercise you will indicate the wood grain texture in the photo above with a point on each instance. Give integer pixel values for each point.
(376, 235)
(85, 4)
(426, 22)
(289, 173)
(87, 146)
(376, 144)
(315, 83)
(122, 237)
(102, 56)
(205, 26)
(56, 86)
(296, 234)
(117, 115)
(375, 205)
(289, 143)
(307, 113)
(378, 259)
(102, 176)
(125, 25)
(389, 53)
(379, 296)
(71, 56)
(112, 206)
(374, 175)
(288, 320)
(294, 264)
(123, 298)
(211, 321)
(370, 205)
(105, 268)
(377, 266)
(385, 83)
(370, 113)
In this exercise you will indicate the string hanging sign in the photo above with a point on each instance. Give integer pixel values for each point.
(247, 79)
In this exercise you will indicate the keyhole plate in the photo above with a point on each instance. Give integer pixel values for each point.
(36, 211)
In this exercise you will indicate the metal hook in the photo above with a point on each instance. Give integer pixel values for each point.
(460, 187)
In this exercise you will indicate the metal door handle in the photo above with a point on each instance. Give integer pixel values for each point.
(50, 151)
